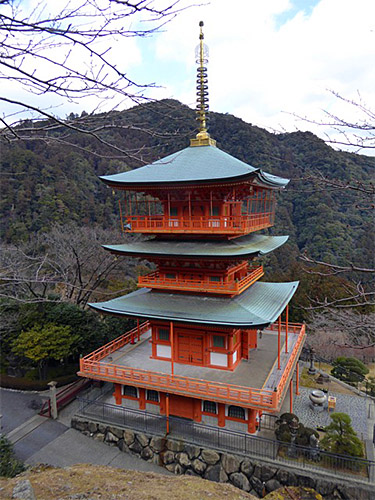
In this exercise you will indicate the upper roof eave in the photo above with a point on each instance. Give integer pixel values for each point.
(193, 166)
(258, 306)
(243, 247)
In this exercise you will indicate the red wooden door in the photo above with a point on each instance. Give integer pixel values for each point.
(190, 348)
(181, 406)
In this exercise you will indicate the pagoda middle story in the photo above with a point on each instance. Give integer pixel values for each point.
(213, 343)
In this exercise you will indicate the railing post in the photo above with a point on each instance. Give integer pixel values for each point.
(138, 330)
(297, 379)
(167, 411)
(286, 327)
(278, 342)
(172, 345)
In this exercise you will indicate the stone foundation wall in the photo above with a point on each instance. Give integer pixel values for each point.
(250, 475)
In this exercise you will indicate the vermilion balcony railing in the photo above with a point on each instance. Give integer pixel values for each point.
(154, 280)
(231, 225)
(94, 366)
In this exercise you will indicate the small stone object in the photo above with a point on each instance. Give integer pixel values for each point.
(23, 490)
(318, 399)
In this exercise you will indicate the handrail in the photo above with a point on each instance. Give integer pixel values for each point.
(291, 361)
(179, 384)
(117, 343)
(197, 224)
(153, 280)
(91, 367)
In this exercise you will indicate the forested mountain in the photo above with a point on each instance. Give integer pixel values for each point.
(56, 183)
(42, 185)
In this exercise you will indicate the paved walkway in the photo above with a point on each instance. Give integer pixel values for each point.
(42, 440)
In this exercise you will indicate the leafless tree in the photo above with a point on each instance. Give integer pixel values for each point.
(68, 52)
(67, 262)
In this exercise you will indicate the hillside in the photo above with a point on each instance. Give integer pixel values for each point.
(45, 184)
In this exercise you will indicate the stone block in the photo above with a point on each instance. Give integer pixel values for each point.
(170, 467)
(80, 425)
(111, 438)
(324, 487)
(190, 472)
(99, 436)
(286, 477)
(174, 445)
(102, 428)
(135, 447)
(183, 459)
(167, 457)
(157, 444)
(306, 481)
(143, 439)
(179, 469)
(247, 468)
(198, 466)
(123, 446)
(147, 453)
(230, 463)
(267, 473)
(257, 485)
(192, 451)
(216, 473)
(272, 484)
(211, 457)
(239, 480)
(92, 427)
(129, 437)
(116, 431)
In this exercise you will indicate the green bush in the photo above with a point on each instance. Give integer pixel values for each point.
(349, 370)
(341, 438)
(9, 465)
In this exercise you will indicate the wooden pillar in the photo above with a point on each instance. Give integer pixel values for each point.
(286, 328)
(167, 410)
(221, 414)
(117, 394)
(278, 342)
(297, 379)
(197, 410)
(138, 330)
(251, 423)
(142, 398)
(291, 396)
(172, 345)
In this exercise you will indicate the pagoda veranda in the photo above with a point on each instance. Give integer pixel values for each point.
(213, 343)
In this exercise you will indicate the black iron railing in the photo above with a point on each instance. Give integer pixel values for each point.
(228, 440)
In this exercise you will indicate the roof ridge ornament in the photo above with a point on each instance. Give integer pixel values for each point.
(203, 137)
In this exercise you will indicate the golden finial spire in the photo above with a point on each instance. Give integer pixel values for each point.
(203, 137)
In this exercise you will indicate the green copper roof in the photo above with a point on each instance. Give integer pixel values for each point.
(259, 305)
(243, 247)
(201, 164)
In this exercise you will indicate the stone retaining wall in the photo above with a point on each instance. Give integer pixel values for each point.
(182, 458)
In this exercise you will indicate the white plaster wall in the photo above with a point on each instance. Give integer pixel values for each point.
(207, 419)
(164, 351)
(234, 357)
(130, 403)
(236, 426)
(153, 408)
(219, 359)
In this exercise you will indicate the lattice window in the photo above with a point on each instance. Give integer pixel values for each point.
(131, 391)
(163, 334)
(209, 407)
(218, 341)
(152, 396)
(236, 412)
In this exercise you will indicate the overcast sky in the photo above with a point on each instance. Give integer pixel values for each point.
(268, 59)
(272, 58)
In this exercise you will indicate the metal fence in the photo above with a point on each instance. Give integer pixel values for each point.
(237, 442)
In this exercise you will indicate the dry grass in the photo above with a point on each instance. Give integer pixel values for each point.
(307, 380)
(107, 483)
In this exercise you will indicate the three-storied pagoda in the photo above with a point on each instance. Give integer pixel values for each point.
(213, 347)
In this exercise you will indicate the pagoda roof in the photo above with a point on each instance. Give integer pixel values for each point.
(193, 165)
(246, 246)
(258, 306)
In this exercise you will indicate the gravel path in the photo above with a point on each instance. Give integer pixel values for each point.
(354, 406)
